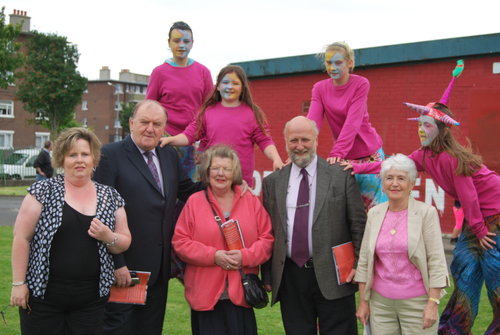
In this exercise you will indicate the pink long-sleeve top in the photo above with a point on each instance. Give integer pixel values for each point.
(478, 194)
(346, 110)
(181, 90)
(197, 237)
(233, 126)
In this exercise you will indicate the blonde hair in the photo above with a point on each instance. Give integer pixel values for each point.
(68, 138)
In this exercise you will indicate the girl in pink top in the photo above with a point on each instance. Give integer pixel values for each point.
(229, 116)
(342, 99)
(180, 85)
(461, 174)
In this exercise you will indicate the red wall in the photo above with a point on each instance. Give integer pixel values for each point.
(474, 100)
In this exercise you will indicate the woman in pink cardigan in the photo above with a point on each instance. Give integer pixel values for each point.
(343, 100)
(212, 279)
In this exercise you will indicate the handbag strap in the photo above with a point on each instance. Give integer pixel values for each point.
(219, 222)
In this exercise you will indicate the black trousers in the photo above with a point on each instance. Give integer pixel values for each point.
(304, 309)
(68, 308)
(128, 319)
(225, 319)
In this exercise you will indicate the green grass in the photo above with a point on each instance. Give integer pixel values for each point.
(13, 190)
(177, 321)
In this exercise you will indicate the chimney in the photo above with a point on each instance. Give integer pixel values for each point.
(20, 17)
(105, 73)
(125, 75)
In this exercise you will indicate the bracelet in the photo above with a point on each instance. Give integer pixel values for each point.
(19, 283)
(434, 300)
(113, 242)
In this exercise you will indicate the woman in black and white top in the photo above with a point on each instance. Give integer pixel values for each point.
(65, 232)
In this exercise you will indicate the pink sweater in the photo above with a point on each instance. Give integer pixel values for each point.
(479, 194)
(234, 126)
(181, 90)
(346, 111)
(197, 237)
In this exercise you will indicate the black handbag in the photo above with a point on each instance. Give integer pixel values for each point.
(255, 293)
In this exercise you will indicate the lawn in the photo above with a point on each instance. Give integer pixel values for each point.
(177, 321)
(13, 190)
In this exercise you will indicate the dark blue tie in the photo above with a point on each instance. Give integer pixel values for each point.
(300, 240)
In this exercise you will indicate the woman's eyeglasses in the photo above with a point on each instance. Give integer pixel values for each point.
(217, 169)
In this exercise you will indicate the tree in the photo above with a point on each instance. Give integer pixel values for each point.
(10, 57)
(50, 85)
(125, 114)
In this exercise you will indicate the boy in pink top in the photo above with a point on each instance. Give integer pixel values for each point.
(231, 117)
(180, 85)
(343, 100)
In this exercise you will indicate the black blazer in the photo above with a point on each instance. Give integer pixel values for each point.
(150, 214)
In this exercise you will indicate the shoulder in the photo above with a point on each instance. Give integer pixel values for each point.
(200, 67)
(284, 172)
(421, 207)
(375, 210)
(322, 84)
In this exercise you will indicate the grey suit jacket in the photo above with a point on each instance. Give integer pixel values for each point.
(339, 217)
(425, 245)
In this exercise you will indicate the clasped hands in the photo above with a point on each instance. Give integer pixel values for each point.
(228, 259)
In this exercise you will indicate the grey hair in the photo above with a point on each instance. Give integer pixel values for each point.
(399, 162)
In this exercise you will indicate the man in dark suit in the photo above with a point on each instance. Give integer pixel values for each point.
(150, 180)
(42, 163)
(313, 207)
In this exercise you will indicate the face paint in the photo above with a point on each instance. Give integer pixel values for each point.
(180, 43)
(336, 65)
(427, 130)
(230, 88)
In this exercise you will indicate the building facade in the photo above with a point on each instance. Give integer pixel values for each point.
(413, 72)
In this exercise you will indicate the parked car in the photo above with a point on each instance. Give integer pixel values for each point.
(19, 164)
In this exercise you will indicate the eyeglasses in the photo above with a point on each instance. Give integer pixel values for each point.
(217, 169)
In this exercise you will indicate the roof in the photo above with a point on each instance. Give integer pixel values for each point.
(383, 55)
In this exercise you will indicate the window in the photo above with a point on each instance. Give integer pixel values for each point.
(118, 89)
(41, 138)
(6, 108)
(6, 139)
(84, 105)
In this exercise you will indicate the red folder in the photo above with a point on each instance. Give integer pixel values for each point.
(232, 234)
(344, 258)
(136, 294)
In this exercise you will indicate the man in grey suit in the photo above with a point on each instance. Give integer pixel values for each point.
(313, 207)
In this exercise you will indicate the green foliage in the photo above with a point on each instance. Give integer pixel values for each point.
(50, 85)
(10, 57)
(125, 114)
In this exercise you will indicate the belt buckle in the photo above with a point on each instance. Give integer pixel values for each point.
(308, 264)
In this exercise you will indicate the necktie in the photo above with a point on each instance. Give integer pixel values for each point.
(152, 167)
(300, 241)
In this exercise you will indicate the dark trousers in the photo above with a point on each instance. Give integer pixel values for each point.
(225, 319)
(124, 319)
(304, 309)
(74, 309)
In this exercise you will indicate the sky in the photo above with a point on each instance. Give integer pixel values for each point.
(133, 35)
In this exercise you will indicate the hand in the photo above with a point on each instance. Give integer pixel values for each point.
(268, 287)
(277, 164)
(236, 257)
(122, 277)
(347, 166)
(333, 160)
(223, 259)
(430, 314)
(100, 231)
(351, 275)
(165, 140)
(19, 296)
(363, 312)
(245, 188)
(486, 242)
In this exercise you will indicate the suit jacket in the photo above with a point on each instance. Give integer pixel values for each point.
(425, 245)
(339, 217)
(151, 215)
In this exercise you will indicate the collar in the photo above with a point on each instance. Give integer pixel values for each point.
(311, 169)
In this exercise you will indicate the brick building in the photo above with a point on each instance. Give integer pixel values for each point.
(413, 72)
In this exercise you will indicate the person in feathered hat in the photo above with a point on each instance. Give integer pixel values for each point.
(462, 175)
